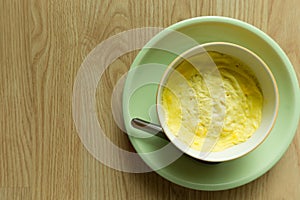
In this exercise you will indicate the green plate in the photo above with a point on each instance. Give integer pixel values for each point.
(140, 93)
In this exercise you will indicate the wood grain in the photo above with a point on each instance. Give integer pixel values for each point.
(42, 45)
(16, 119)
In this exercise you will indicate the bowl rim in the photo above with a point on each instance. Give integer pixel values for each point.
(192, 52)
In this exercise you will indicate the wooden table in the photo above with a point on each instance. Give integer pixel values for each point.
(43, 44)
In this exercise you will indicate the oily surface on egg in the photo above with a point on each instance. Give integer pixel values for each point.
(187, 102)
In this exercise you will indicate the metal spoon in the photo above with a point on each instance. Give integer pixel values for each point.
(149, 127)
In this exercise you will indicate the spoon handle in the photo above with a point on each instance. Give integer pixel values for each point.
(149, 127)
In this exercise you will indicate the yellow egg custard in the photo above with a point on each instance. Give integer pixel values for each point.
(243, 102)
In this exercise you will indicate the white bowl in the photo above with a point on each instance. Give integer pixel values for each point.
(270, 102)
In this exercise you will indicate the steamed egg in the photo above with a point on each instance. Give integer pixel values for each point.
(188, 104)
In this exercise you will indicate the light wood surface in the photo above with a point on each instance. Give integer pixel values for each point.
(42, 45)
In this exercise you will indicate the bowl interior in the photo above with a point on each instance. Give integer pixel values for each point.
(270, 102)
